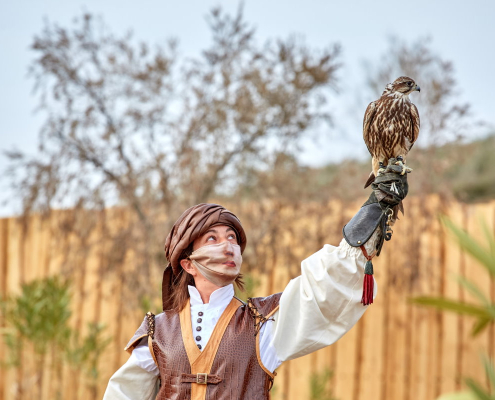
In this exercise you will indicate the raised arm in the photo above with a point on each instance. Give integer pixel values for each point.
(318, 307)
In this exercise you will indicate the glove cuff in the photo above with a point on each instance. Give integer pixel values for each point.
(361, 227)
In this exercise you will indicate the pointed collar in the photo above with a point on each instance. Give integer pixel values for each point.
(218, 298)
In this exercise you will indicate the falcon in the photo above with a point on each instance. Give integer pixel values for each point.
(391, 125)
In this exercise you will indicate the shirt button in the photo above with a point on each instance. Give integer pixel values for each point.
(198, 338)
(200, 320)
(200, 313)
(198, 328)
(199, 346)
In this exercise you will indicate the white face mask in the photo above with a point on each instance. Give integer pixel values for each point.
(216, 262)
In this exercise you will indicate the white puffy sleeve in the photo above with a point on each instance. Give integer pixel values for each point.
(318, 307)
(137, 379)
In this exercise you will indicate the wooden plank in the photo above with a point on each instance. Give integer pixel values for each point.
(32, 249)
(283, 381)
(486, 214)
(370, 368)
(383, 277)
(346, 365)
(69, 242)
(300, 375)
(474, 272)
(13, 257)
(4, 271)
(417, 326)
(436, 317)
(450, 342)
(322, 362)
(396, 323)
(357, 378)
(491, 329)
(461, 322)
(438, 259)
(414, 317)
(14, 288)
(426, 332)
(35, 367)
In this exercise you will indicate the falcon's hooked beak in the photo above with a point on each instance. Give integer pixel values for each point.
(417, 88)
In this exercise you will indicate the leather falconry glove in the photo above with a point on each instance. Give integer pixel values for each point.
(388, 190)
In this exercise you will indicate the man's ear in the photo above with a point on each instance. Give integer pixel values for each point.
(188, 267)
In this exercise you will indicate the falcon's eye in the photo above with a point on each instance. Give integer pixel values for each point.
(409, 83)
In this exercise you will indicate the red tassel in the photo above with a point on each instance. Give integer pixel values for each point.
(368, 283)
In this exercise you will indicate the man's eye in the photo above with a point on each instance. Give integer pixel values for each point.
(232, 236)
(210, 238)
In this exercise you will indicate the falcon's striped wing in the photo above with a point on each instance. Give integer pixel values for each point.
(415, 125)
(369, 115)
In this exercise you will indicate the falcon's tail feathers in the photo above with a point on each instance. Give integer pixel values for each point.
(396, 209)
(370, 180)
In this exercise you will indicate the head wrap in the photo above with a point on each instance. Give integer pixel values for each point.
(192, 224)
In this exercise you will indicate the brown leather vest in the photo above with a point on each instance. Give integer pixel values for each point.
(230, 363)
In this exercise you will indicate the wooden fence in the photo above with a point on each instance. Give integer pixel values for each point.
(397, 351)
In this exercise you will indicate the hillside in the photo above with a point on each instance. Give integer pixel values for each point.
(465, 171)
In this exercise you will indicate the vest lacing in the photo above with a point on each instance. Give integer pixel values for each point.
(259, 319)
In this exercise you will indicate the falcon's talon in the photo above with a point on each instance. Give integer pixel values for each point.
(403, 166)
(381, 171)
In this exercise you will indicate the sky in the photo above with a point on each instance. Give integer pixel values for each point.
(461, 31)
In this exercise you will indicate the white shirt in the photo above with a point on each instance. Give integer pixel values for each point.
(210, 312)
(316, 309)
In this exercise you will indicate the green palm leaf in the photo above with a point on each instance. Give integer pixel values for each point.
(471, 245)
(490, 372)
(442, 303)
(480, 326)
(476, 388)
(474, 290)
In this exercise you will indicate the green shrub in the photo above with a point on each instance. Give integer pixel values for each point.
(320, 385)
(38, 319)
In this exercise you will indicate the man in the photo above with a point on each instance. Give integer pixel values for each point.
(207, 344)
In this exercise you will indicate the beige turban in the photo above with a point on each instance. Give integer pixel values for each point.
(193, 223)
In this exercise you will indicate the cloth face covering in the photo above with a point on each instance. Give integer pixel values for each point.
(210, 261)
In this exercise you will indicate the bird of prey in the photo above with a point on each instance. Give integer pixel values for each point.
(391, 125)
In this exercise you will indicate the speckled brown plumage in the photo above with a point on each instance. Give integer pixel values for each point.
(391, 124)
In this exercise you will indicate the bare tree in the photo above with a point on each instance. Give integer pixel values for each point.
(134, 125)
(441, 162)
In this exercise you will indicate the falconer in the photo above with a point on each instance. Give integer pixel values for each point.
(207, 344)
